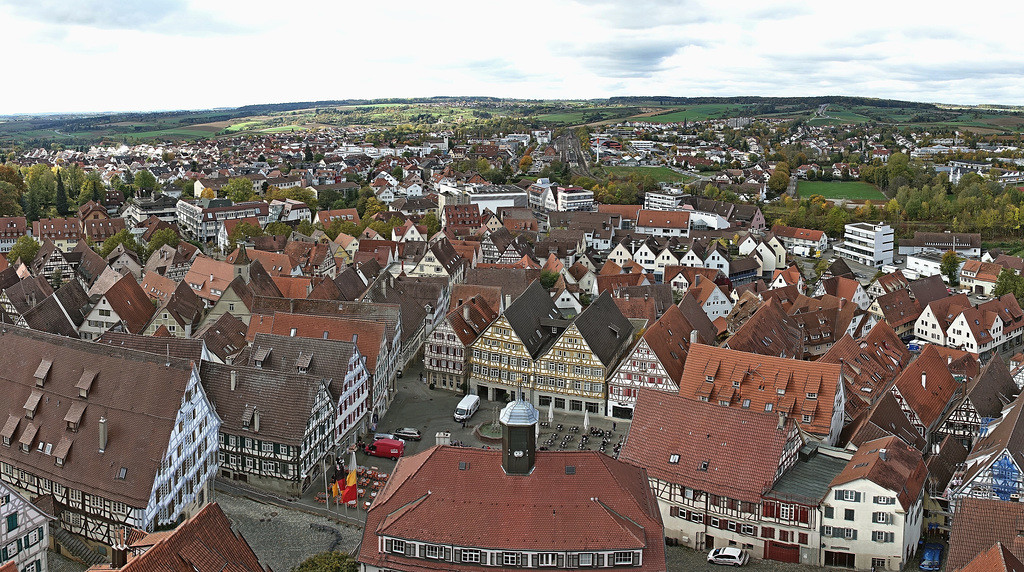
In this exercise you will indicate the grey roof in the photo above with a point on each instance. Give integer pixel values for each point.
(512, 281)
(329, 362)
(992, 389)
(928, 289)
(528, 314)
(225, 337)
(62, 313)
(519, 412)
(604, 327)
(180, 348)
(808, 481)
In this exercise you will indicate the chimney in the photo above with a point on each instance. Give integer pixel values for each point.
(355, 338)
(103, 434)
(625, 295)
(234, 379)
(119, 551)
(924, 379)
(949, 360)
(883, 454)
(782, 421)
(693, 336)
(256, 421)
(211, 277)
(508, 300)
(842, 303)
(465, 312)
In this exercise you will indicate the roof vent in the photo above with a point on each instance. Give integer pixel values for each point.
(570, 469)
(463, 466)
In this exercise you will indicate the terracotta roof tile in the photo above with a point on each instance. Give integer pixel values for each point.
(978, 525)
(900, 468)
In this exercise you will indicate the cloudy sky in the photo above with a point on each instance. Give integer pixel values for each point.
(107, 55)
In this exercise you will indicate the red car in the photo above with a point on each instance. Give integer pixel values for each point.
(389, 448)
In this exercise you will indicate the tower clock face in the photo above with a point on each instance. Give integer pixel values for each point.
(517, 454)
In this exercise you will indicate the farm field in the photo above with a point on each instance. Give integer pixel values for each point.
(698, 113)
(659, 174)
(852, 190)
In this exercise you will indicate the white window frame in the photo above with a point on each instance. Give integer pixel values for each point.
(510, 558)
(398, 546)
(470, 556)
(547, 559)
(586, 559)
(432, 551)
(849, 495)
(619, 558)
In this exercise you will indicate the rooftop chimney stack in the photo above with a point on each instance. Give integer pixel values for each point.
(782, 421)
(883, 454)
(693, 336)
(234, 379)
(924, 379)
(465, 312)
(103, 434)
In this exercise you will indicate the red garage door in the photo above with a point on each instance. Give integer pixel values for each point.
(782, 552)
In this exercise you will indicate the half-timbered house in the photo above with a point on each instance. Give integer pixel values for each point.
(980, 404)
(995, 466)
(24, 531)
(119, 438)
(708, 466)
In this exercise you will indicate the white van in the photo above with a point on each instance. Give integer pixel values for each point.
(467, 407)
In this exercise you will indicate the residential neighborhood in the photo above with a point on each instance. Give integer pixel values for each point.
(719, 361)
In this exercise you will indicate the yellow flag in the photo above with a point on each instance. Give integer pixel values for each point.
(351, 480)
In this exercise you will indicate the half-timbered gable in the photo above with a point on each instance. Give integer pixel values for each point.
(981, 404)
(925, 390)
(446, 353)
(24, 532)
(266, 441)
(995, 466)
(68, 432)
(656, 362)
(709, 488)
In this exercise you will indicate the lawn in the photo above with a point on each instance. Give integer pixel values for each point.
(853, 190)
(698, 113)
(659, 174)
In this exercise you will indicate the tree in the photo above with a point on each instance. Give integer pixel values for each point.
(1009, 283)
(13, 176)
(124, 237)
(307, 154)
(525, 163)
(778, 182)
(277, 228)
(305, 227)
(950, 266)
(92, 188)
(328, 562)
(238, 190)
(243, 231)
(373, 206)
(430, 221)
(10, 200)
(62, 196)
(145, 181)
(548, 278)
(164, 236)
(25, 248)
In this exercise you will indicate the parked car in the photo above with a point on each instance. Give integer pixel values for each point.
(981, 297)
(389, 448)
(408, 433)
(931, 557)
(388, 436)
(729, 556)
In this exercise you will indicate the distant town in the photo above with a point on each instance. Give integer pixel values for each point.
(478, 334)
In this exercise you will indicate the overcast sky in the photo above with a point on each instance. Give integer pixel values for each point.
(106, 55)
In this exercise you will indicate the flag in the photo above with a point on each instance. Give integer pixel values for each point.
(351, 479)
(349, 494)
(334, 489)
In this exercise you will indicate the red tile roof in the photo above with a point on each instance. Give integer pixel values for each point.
(927, 386)
(902, 470)
(979, 524)
(999, 558)
(613, 498)
(131, 303)
(367, 334)
(771, 384)
(743, 449)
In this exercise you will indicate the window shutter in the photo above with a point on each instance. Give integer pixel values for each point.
(561, 561)
(448, 553)
(600, 560)
(458, 555)
(854, 533)
(410, 549)
(387, 545)
(636, 559)
(839, 495)
(534, 558)
(856, 497)
(829, 512)
(574, 561)
(673, 511)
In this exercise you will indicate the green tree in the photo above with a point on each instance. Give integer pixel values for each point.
(950, 266)
(145, 181)
(10, 200)
(164, 236)
(307, 154)
(1009, 283)
(242, 232)
(92, 189)
(11, 175)
(124, 237)
(305, 227)
(548, 278)
(62, 196)
(239, 190)
(328, 562)
(277, 228)
(778, 182)
(25, 248)
(430, 221)
(835, 221)
(373, 206)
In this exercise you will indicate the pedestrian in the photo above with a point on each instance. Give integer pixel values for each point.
(613, 426)
(463, 423)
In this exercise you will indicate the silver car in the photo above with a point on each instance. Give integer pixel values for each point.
(729, 556)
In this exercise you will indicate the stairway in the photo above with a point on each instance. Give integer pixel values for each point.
(75, 548)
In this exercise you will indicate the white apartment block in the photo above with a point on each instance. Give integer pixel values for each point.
(866, 243)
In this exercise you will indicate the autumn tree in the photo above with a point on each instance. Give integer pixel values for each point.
(164, 236)
(238, 190)
(328, 562)
(25, 248)
(243, 231)
(10, 200)
(950, 266)
(62, 196)
(92, 189)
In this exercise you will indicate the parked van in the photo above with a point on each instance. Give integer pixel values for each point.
(467, 407)
(390, 448)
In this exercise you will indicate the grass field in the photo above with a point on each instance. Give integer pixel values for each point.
(698, 113)
(853, 190)
(659, 174)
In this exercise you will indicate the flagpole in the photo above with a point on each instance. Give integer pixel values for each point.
(327, 493)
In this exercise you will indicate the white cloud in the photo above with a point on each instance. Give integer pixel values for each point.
(172, 54)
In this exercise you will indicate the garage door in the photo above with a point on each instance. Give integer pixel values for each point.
(782, 552)
(840, 559)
